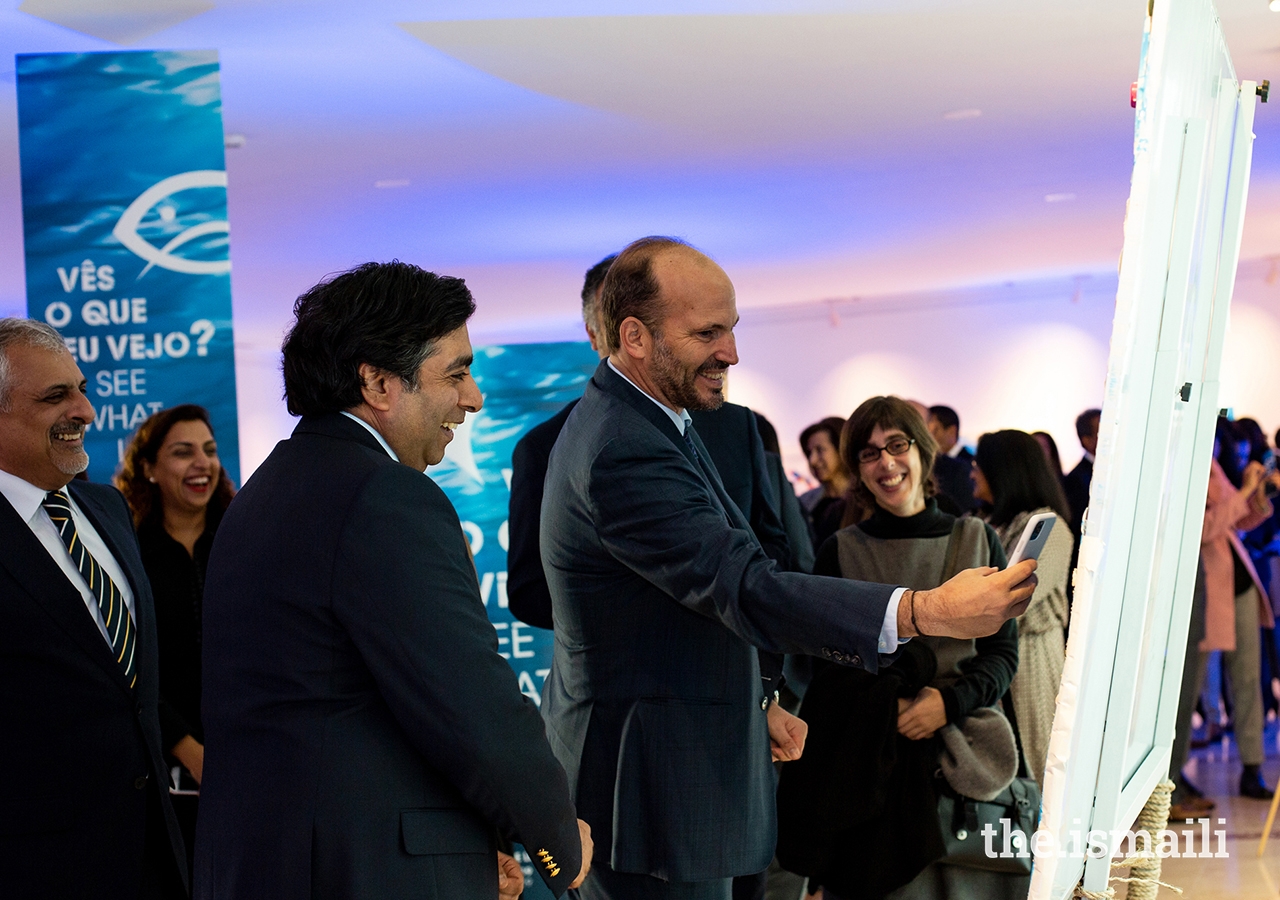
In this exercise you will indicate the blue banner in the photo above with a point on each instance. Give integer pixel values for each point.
(523, 385)
(124, 205)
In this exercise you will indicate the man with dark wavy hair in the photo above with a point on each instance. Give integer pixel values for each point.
(364, 739)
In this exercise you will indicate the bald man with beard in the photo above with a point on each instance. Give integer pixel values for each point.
(662, 596)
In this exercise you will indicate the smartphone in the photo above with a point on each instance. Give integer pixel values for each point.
(1033, 538)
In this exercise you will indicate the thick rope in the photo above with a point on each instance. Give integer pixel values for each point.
(1144, 870)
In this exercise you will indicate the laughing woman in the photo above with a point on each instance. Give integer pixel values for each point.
(890, 826)
(178, 491)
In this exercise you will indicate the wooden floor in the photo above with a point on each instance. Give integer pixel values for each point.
(1242, 875)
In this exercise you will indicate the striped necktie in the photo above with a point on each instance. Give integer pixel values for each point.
(115, 614)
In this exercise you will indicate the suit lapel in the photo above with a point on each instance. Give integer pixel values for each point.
(613, 384)
(101, 520)
(712, 474)
(47, 587)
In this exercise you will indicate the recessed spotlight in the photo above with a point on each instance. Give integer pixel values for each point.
(957, 114)
(392, 183)
(1059, 198)
(1275, 5)
(233, 141)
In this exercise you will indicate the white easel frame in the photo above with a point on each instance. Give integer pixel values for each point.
(1114, 724)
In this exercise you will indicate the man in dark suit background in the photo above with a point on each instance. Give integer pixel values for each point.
(527, 595)
(84, 805)
(954, 462)
(662, 594)
(364, 739)
(1077, 481)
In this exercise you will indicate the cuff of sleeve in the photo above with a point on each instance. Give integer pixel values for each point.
(889, 639)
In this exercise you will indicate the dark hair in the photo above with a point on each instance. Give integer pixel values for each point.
(768, 434)
(594, 278)
(832, 425)
(1055, 460)
(947, 416)
(142, 495)
(388, 315)
(886, 412)
(1250, 430)
(590, 293)
(1084, 422)
(631, 290)
(1227, 435)
(1019, 476)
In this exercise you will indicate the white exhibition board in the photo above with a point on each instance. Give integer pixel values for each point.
(1114, 723)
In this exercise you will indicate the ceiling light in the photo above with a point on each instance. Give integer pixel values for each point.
(391, 183)
(1059, 198)
(956, 114)
(1275, 5)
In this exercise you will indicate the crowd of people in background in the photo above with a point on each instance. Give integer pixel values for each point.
(888, 735)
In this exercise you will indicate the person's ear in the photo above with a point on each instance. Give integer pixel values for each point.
(375, 387)
(635, 338)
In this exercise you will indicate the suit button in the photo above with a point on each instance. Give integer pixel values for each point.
(140, 782)
(857, 660)
(826, 651)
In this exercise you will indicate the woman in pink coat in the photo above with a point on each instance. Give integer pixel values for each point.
(1235, 607)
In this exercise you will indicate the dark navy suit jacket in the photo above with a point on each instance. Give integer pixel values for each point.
(731, 436)
(661, 596)
(80, 760)
(363, 736)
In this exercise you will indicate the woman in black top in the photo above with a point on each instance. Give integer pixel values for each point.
(906, 540)
(178, 491)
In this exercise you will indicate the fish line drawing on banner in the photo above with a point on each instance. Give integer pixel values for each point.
(523, 385)
(127, 235)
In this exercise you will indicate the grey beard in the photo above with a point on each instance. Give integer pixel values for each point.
(73, 463)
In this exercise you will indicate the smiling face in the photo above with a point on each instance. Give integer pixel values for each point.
(419, 424)
(42, 430)
(187, 468)
(896, 482)
(823, 458)
(695, 346)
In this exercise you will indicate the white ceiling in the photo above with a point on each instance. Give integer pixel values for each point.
(818, 149)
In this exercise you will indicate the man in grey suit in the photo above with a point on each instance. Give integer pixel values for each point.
(662, 595)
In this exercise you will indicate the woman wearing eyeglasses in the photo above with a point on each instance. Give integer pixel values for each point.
(906, 540)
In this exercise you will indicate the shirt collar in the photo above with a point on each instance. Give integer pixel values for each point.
(373, 431)
(681, 419)
(956, 449)
(23, 496)
(1089, 456)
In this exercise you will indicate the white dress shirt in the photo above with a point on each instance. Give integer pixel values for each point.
(889, 640)
(27, 500)
(373, 431)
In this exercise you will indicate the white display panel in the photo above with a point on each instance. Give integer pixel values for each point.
(1133, 586)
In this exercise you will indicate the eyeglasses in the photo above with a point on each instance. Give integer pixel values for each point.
(897, 446)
